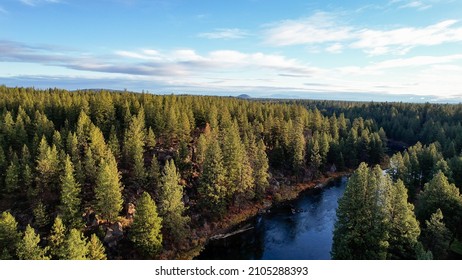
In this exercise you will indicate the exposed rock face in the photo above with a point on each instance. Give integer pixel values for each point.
(114, 233)
(90, 219)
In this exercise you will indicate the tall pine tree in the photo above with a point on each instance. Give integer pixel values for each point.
(145, 231)
(108, 190)
(70, 191)
(171, 206)
(28, 247)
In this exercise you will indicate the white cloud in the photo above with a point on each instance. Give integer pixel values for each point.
(230, 60)
(319, 28)
(335, 48)
(417, 5)
(401, 40)
(413, 4)
(323, 29)
(416, 61)
(224, 33)
(145, 54)
(37, 2)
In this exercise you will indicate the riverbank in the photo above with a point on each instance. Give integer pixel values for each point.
(235, 216)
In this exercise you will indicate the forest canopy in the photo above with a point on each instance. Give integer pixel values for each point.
(83, 172)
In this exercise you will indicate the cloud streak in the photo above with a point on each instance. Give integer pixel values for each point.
(224, 33)
(323, 28)
(34, 3)
(318, 28)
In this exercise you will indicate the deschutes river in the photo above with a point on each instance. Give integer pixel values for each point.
(297, 230)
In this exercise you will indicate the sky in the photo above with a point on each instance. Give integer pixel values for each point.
(385, 50)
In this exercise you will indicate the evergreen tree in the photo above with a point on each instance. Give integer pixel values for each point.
(97, 144)
(404, 228)
(150, 139)
(145, 232)
(201, 149)
(90, 166)
(134, 149)
(28, 248)
(154, 175)
(360, 230)
(57, 140)
(436, 236)
(9, 236)
(12, 177)
(70, 191)
(212, 189)
(96, 249)
(439, 194)
(260, 170)
(113, 143)
(108, 190)
(171, 207)
(41, 218)
(236, 163)
(298, 149)
(47, 167)
(315, 158)
(75, 246)
(57, 238)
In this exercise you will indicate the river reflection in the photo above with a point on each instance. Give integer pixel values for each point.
(299, 230)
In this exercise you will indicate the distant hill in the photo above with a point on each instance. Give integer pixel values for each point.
(244, 96)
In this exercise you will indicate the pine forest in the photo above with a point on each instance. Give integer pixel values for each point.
(99, 174)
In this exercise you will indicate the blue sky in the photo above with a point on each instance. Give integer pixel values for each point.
(354, 50)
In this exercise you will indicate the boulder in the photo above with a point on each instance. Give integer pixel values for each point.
(113, 234)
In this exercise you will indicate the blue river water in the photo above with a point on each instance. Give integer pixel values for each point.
(297, 230)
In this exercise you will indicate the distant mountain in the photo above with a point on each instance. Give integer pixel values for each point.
(244, 96)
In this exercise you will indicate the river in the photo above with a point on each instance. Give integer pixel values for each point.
(298, 230)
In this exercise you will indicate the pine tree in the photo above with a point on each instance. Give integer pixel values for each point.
(90, 167)
(171, 207)
(57, 238)
(315, 158)
(374, 219)
(47, 167)
(57, 140)
(134, 148)
(404, 228)
(236, 163)
(154, 175)
(9, 236)
(28, 248)
(436, 236)
(145, 232)
(212, 189)
(150, 139)
(201, 149)
(171, 127)
(108, 190)
(70, 191)
(75, 246)
(440, 194)
(260, 170)
(97, 144)
(113, 143)
(41, 217)
(96, 249)
(360, 230)
(298, 149)
(12, 177)
(184, 128)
